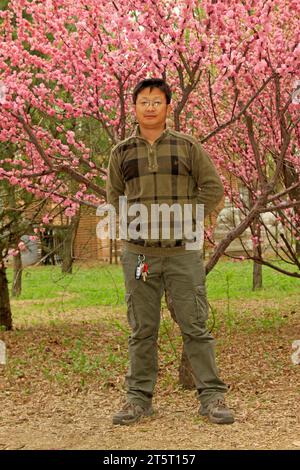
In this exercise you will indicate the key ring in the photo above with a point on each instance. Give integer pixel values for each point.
(141, 260)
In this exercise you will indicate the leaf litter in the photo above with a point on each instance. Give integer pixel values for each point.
(64, 380)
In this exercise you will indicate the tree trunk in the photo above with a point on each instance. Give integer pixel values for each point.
(185, 371)
(257, 281)
(291, 176)
(116, 251)
(17, 280)
(110, 251)
(257, 276)
(67, 261)
(186, 378)
(5, 311)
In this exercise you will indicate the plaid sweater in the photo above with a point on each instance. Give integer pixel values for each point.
(175, 169)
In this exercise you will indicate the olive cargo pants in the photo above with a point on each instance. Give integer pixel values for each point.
(183, 275)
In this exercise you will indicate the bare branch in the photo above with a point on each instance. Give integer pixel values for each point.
(289, 248)
(282, 193)
(237, 117)
(277, 268)
(34, 140)
(261, 175)
(283, 205)
(235, 233)
(64, 168)
(280, 160)
(211, 100)
(82, 179)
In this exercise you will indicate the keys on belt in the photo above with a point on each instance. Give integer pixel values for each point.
(142, 268)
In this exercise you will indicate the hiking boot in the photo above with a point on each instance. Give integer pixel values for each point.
(130, 413)
(217, 412)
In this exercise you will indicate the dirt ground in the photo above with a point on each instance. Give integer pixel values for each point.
(264, 393)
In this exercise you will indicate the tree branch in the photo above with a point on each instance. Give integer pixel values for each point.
(237, 117)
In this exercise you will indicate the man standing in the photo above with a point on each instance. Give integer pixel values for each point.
(154, 166)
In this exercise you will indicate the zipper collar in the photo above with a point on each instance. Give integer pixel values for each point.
(152, 155)
(137, 134)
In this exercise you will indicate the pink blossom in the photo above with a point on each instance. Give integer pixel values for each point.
(260, 66)
(13, 180)
(22, 246)
(13, 252)
(70, 212)
(79, 84)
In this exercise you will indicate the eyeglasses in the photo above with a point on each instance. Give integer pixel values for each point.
(147, 103)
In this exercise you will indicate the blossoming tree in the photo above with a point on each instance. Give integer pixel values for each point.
(233, 66)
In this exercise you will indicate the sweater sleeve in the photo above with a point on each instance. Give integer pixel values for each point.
(210, 187)
(115, 184)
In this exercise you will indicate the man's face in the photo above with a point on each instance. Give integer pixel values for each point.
(151, 108)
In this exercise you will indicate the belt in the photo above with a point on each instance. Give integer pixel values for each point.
(158, 243)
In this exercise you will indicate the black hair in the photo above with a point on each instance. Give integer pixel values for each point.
(152, 83)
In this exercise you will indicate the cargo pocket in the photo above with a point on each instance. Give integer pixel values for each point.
(201, 303)
(130, 311)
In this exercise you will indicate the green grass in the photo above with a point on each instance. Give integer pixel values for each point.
(234, 280)
(48, 295)
(104, 285)
(50, 345)
(86, 287)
